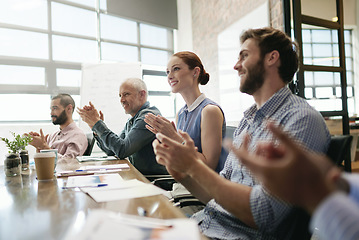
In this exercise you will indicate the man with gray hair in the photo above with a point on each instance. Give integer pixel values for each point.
(135, 141)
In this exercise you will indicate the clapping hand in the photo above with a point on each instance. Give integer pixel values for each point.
(90, 115)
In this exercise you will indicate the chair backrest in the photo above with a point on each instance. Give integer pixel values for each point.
(339, 151)
(229, 131)
(296, 225)
(91, 142)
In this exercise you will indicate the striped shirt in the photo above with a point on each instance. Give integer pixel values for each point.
(301, 121)
(337, 217)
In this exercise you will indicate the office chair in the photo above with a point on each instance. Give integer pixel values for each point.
(296, 225)
(339, 151)
(91, 143)
(162, 181)
(230, 131)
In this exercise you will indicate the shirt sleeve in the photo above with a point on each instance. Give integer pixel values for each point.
(76, 147)
(336, 218)
(123, 146)
(353, 180)
(307, 127)
(100, 142)
(268, 211)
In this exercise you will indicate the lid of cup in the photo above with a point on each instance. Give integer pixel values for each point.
(44, 155)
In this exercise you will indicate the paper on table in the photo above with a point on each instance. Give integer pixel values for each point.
(94, 180)
(95, 158)
(140, 190)
(119, 185)
(90, 170)
(102, 224)
(101, 167)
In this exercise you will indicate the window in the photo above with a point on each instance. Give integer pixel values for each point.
(322, 89)
(110, 26)
(22, 43)
(22, 75)
(159, 94)
(24, 13)
(44, 42)
(63, 20)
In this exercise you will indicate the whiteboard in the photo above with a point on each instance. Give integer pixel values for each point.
(100, 85)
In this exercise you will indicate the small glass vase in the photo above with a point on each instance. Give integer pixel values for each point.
(12, 165)
(24, 155)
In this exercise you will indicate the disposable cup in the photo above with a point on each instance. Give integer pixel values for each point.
(44, 165)
(52, 150)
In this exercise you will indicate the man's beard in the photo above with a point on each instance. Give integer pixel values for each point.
(61, 119)
(254, 79)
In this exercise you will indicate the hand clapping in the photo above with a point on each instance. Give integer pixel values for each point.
(90, 115)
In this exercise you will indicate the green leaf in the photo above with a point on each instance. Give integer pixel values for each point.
(18, 143)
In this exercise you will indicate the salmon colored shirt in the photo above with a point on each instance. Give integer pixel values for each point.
(70, 141)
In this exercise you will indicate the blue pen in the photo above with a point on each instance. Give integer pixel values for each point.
(102, 185)
(98, 185)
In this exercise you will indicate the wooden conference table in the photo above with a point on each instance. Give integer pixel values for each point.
(30, 209)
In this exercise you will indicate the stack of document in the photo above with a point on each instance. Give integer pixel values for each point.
(94, 181)
(103, 224)
(111, 187)
(95, 158)
(94, 169)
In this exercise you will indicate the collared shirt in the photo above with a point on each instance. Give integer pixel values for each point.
(134, 142)
(70, 141)
(189, 120)
(298, 119)
(196, 102)
(336, 218)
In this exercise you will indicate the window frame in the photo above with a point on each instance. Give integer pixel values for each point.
(333, 85)
(50, 65)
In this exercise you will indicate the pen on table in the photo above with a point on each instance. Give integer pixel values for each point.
(60, 175)
(100, 170)
(98, 185)
(141, 211)
(102, 185)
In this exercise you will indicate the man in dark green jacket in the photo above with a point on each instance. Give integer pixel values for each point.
(135, 141)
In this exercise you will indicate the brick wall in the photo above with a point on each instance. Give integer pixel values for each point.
(276, 14)
(210, 17)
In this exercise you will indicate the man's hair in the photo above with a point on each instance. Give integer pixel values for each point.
(138, 84)
(270, 39)
(65, 100)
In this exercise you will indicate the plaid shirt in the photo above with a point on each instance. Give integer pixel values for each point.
(300, 120)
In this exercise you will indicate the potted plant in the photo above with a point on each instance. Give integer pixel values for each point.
(12, 164)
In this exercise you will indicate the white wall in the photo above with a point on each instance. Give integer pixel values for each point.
(183, 36)
(232, 101)
(184, 32)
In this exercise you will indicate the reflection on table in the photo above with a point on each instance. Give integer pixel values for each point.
(30, 209)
